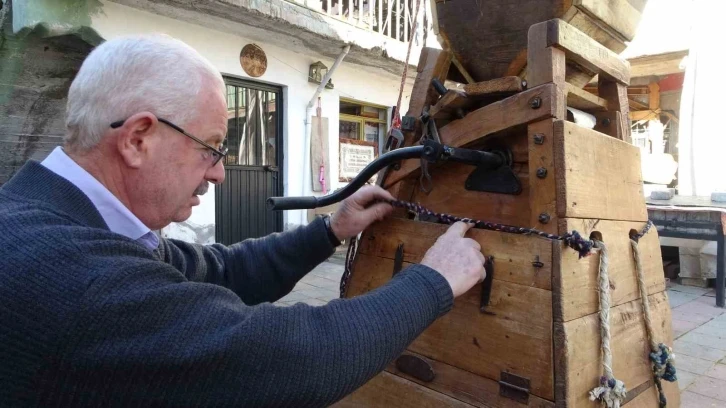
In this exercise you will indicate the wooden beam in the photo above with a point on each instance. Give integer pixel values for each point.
(645, 115)
(449, 104)
(467, 96)
(653, 96)
(513, 111)
(433, 63)
(617, 96)
(657, 65)
(503, 85)
(584, 50)
(618, 15)
(580, 99)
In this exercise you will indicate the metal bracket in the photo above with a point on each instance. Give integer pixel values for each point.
(514, 387)
(486, 286)
(415, 367)
(398, 261)
(500, 179)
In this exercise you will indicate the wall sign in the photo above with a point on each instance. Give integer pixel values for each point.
(354, 158)
(253, 60)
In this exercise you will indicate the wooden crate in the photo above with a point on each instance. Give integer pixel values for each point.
(537, 342)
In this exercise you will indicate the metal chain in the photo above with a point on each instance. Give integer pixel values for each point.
(573, 240)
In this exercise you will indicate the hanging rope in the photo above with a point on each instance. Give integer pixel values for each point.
(661, 356)
(611, 391)
(397, 116)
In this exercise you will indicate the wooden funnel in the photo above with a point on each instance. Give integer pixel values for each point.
(489, 37)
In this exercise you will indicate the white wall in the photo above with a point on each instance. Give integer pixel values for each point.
(285, 68)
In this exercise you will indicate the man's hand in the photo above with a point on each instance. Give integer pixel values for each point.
(458, 259)
(356, 212)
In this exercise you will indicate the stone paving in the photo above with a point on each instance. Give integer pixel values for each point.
(699, 331)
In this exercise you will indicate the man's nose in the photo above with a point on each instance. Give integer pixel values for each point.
(215, 175)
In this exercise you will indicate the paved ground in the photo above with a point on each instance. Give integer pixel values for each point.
(699, 331)
(319, 286)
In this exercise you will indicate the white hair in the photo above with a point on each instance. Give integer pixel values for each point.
(133, 74)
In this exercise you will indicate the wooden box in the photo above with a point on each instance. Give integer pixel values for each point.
(537, 342)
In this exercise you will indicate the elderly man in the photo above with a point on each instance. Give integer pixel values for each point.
(95, 310)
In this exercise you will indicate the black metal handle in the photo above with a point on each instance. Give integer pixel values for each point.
(301, 203)
(430, 151)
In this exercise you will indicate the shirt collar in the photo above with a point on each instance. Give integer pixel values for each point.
(118, 218)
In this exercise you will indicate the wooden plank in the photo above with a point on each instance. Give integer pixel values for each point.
(465, 337)
(575, 282)
(580, 99)
(585, 51)
(513, 111)
(617, 96)
(579, 347)
(597, 176)
(618, 15)
(388, 390)
(542, 191)
(467, 387)
(511, 263)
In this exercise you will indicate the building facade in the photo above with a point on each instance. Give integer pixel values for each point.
(279, 133)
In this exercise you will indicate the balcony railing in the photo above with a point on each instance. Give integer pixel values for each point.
(392, 18)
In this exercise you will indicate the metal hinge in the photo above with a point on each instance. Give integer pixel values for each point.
(514, 387)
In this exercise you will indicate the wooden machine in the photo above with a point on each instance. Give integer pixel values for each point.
(535, 333)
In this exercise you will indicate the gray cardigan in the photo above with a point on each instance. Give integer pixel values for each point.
(92, 318)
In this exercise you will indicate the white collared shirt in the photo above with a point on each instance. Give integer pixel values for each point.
(118, 218)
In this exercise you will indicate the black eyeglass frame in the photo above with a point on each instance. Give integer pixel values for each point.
(220, 154)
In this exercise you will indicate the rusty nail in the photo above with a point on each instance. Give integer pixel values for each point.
(541, 172)
(539, 138)
(544, 218)
(535, 103)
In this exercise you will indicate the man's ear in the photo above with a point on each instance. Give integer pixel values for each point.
(134, 138)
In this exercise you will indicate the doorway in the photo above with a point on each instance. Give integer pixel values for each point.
(253, 166)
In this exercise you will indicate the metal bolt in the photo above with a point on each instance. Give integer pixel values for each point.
(606, 122)
(397, 166)
(544, 218)
(539, 138)
(535, 103)
(541, 172)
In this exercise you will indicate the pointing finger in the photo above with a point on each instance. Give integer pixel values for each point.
(459, 228)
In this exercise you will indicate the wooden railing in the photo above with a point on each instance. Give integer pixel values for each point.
(392, 18)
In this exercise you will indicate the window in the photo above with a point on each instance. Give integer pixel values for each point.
(366, 123)
(252, 121)
(361, 134)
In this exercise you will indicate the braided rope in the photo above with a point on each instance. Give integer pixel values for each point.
(611, 391)
(661, 356)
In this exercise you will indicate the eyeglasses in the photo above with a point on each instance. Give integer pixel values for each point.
(216, 153)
